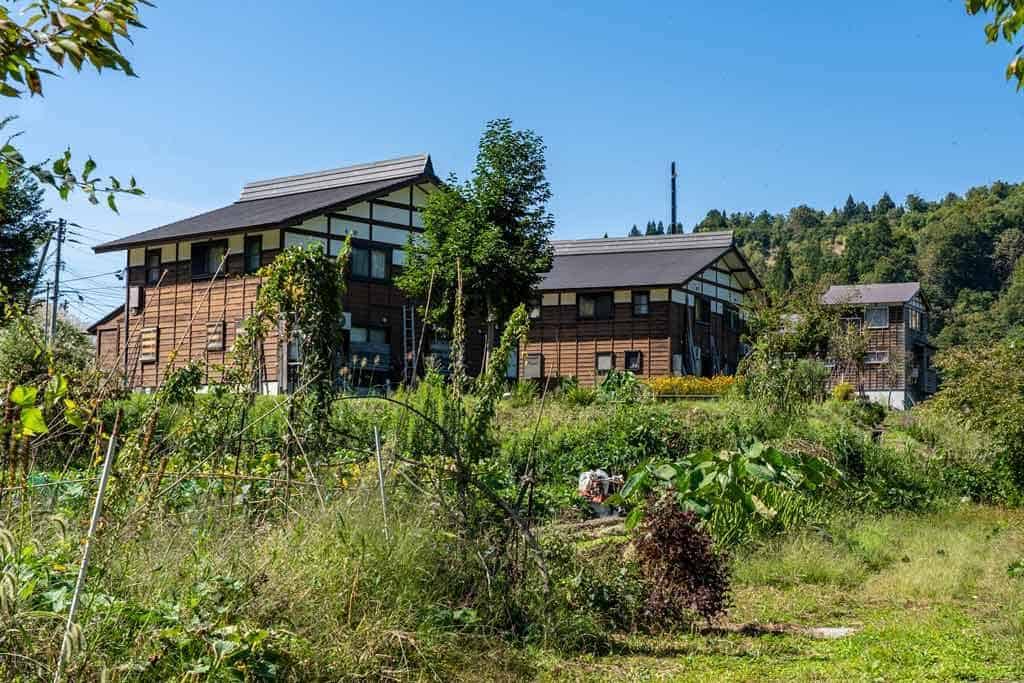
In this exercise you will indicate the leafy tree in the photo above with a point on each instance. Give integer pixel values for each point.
(23, 226)
(983, 387)
(781, 277)
(493, 230)
(1007, 252)
(49, 34)
(1006, 23)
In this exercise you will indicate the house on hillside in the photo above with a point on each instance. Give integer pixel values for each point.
(658, 305)
(897, 367)
(179, 297)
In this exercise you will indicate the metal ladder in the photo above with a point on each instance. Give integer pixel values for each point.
(409, 343)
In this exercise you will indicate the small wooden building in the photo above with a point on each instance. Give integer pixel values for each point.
(179, 298)
(657, 305)
(896, 369)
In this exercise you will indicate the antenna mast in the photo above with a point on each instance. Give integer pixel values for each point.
(673, 226)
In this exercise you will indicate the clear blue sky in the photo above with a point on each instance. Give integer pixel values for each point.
(764, 105)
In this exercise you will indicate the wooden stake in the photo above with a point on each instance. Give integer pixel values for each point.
(108, 464)
(380, 479)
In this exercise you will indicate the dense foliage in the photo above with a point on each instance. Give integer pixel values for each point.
(965, 251)
(490, 233)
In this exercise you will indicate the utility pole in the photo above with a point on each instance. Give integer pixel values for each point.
(46, 314)
(61, 225)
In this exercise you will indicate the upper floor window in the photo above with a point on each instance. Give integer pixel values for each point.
(370, 264)
(208, 257)
(253, 253)
(732, 318)
(641, 303)
(152, 266)
(916, 319)
(876, 317)
(702, 309)
(595, 306)
(534, 309)
(368, 335)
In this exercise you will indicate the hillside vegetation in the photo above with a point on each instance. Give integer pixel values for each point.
(965, 251)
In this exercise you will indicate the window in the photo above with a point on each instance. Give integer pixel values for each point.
(876, 317)
(534, 368)
(253, 253)
(876, 357)
(732, 318)
(152, 266)
(635, 361)
(370, 264)
(215, 336)
(208, 257)
(293, 355)
(535, 309)
(916, 320)
(641, 303)
(605, 363)
(595, 306)
(702, 309)
(368, 335)
(149, 344)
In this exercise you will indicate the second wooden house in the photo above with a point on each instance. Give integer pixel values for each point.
(658, 305)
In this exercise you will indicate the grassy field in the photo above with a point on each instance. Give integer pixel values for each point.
(930, 595)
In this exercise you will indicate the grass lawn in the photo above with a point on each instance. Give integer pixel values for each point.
(930, 594)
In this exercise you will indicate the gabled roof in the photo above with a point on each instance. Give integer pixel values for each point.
(883, 293)
(635, 261)
(105, 319)
(269, 203)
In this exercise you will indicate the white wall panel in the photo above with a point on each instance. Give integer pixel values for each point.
(343, 227)
(389, 235)
(390, 214)
(293, 240)
(315, 224)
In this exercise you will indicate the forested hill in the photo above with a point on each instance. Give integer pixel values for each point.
(966, 252)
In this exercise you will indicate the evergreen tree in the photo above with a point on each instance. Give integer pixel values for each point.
(651, 228)
(635, 232)
(23, 229)
(660, 230)
(781, 278)
(885, 205)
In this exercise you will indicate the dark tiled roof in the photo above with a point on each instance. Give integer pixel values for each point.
(633, 261)
(288, 199)
(884, 293)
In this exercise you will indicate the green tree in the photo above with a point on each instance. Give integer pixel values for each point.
(781, 278)
(494, 229)
(1007, 252)
(49, 35)
(1006, 23)
(23, 226)
(635, 232)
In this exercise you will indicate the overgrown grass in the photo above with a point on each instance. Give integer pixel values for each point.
(930, 595)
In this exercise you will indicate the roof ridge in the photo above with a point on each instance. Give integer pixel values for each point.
(685, 241)
(385, 169)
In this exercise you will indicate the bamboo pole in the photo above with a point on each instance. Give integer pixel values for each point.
(108, 464)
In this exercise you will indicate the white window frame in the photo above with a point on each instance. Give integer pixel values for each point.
(883, 356)
(867, 317)
(598, 357)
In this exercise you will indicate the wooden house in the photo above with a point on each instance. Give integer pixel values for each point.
(896, 369)
(657, 305)
(190, 283)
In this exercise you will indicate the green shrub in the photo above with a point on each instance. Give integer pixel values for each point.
(843, 391)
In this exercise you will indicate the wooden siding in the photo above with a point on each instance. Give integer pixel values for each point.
(570, 345)
(184, 309)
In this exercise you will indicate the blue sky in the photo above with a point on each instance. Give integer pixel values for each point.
(763, 105)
